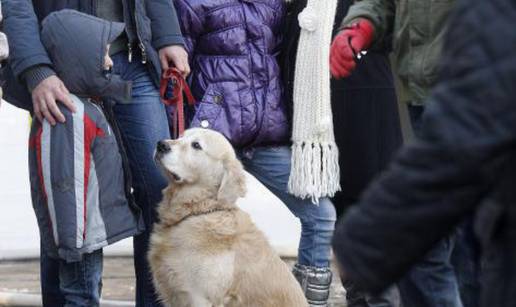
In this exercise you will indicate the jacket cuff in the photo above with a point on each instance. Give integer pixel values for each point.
(34, 75)
(168, 41)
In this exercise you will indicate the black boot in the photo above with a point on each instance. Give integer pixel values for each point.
(355, 297)
(315, 283)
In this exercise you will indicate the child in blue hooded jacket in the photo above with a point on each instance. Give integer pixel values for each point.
(80, 191)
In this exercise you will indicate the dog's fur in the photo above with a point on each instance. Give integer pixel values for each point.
(205, 251)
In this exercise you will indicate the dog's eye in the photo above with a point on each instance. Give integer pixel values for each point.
(196, 146)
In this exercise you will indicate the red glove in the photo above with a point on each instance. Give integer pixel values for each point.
(347, 45)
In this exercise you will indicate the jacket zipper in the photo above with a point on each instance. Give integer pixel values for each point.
(142, 48)
(129, 52)
(137, 29)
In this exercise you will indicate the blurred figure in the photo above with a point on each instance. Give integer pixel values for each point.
(416, 29)
(365, 117)
(463, 165)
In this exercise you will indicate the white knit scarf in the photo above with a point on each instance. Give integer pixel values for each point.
(315, 157)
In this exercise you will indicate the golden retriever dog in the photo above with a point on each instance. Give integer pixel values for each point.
(205, 251)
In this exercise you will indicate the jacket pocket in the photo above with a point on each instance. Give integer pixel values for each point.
(208, 111)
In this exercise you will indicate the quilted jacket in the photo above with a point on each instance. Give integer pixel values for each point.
(234, 47)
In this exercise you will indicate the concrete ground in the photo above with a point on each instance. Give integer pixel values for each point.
(22, 277)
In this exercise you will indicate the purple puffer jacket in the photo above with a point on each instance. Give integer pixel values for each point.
(233, 47)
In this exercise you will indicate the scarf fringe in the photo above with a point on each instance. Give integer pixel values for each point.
(315, 157)
(315, 170)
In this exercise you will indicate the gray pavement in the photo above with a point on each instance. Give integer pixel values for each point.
(22, 277)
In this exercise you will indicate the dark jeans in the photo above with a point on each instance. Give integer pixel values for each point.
(75, 284)
(467, 265)
(432, 281)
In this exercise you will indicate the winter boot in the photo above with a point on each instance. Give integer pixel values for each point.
(315, 283)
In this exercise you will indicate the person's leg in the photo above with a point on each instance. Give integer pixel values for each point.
(356, 297)
(367, 130)
(431, 281)
(271, 166)
(51, 294)
(416, 115)
(81, 282)
(465, 259)
(143, 123)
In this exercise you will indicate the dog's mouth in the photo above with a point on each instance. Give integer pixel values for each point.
(175, 177)
(172, 176)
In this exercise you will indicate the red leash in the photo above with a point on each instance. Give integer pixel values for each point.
(179, 86)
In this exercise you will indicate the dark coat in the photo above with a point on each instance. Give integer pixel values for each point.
(154, 24)
(463, 164)
(365, 112)
(234, 47)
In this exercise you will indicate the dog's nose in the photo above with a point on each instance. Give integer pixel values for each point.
(163, 147)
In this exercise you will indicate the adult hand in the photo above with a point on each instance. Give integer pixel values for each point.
(45, 97)
(177, 56)
(347, 45)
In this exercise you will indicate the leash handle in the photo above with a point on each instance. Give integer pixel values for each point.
(173, 78)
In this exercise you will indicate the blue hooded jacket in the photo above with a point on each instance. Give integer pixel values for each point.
(80, 191)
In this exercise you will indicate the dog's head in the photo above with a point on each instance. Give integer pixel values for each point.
(203, 158)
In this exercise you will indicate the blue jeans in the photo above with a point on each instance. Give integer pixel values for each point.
(271, 166)
(143, 123)
(432, 281)
(71, 284)
(466, 262)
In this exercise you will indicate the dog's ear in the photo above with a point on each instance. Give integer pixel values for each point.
(233, 185)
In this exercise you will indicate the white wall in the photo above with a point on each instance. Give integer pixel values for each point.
(18, 229)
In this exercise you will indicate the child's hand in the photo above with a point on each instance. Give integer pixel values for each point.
(177, 55)
(108, 62)
(45, 96)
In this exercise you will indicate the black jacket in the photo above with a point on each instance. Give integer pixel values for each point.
(154, 24)
(463, 164)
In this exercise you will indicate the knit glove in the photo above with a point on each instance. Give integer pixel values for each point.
(347, 45)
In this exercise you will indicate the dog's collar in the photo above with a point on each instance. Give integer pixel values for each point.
(184, 218)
